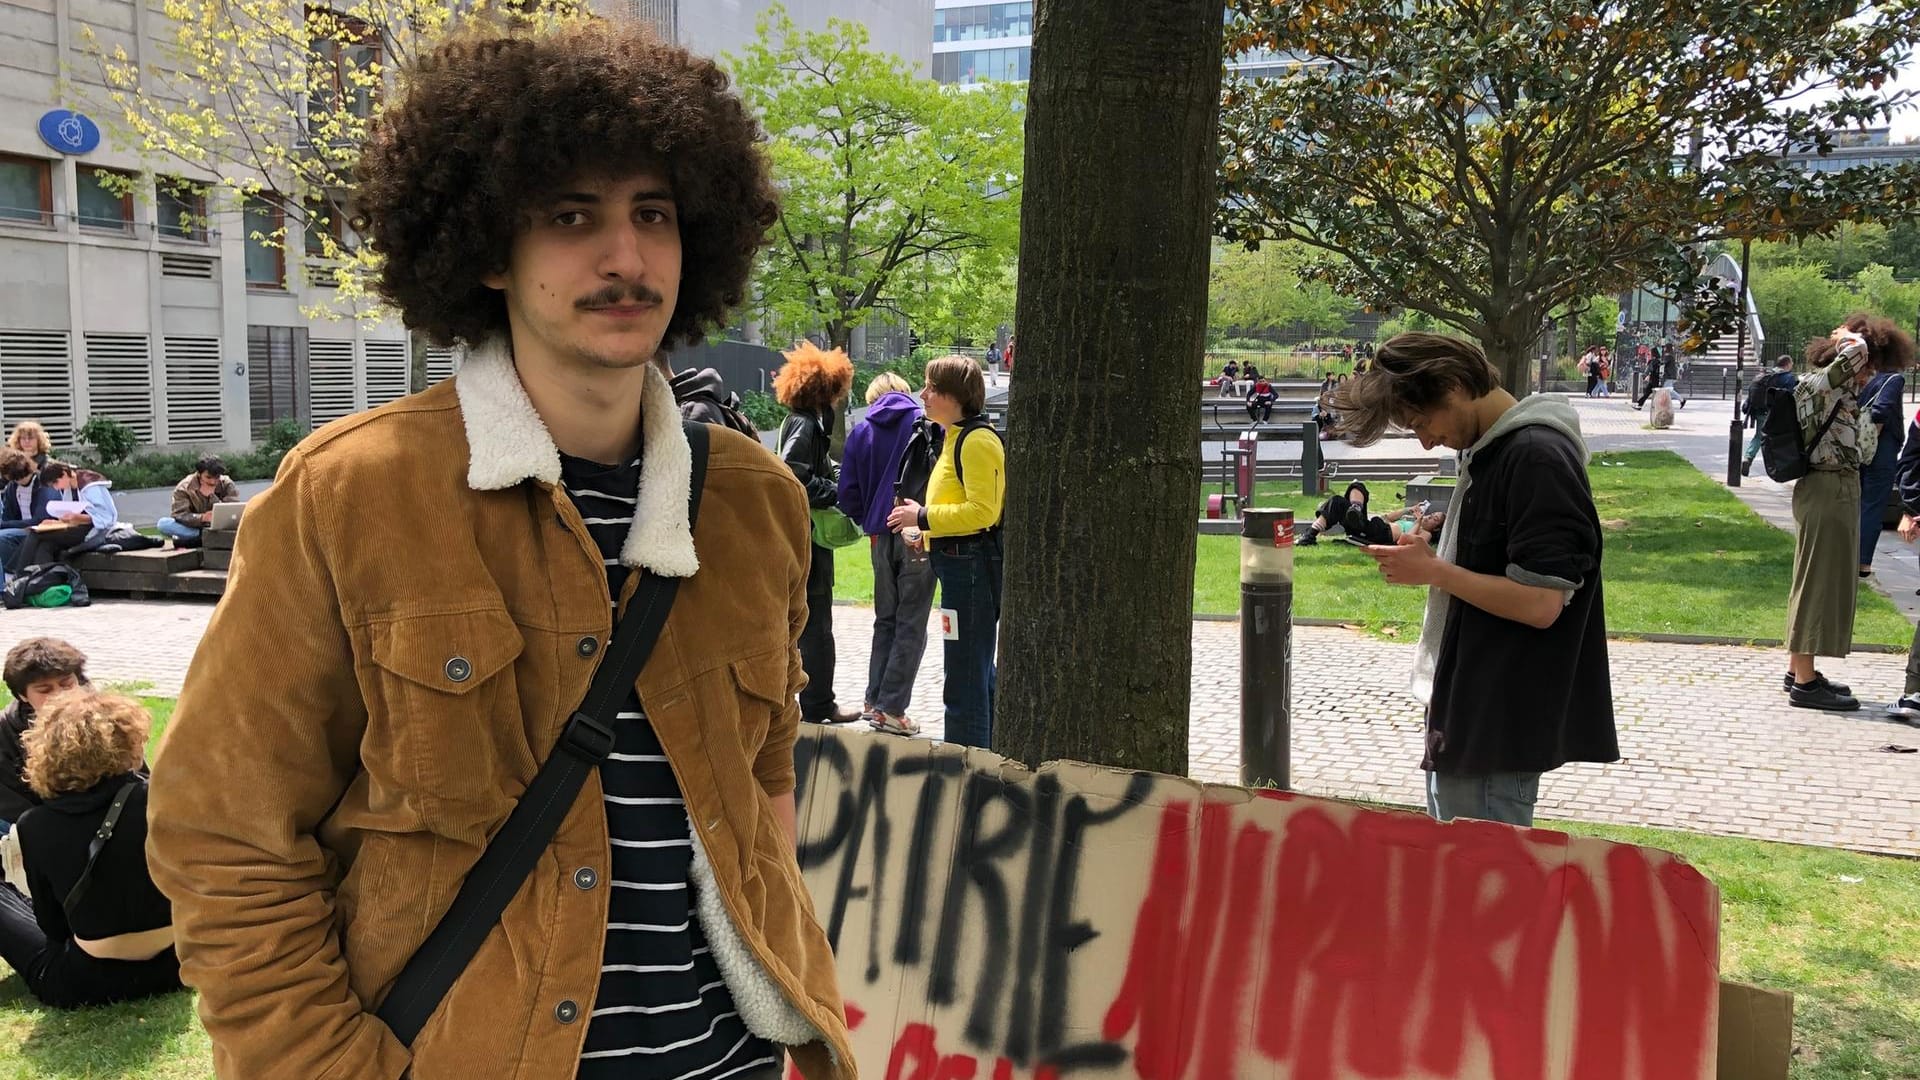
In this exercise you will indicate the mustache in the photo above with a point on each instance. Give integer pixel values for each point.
(619, 293)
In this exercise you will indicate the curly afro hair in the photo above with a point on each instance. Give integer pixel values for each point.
(1889, 348)
(84, 737)
(493, 121)
(812, 379)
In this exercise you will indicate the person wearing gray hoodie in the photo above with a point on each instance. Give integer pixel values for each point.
(1512, 662)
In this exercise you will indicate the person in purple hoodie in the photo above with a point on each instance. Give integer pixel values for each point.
(871, 485)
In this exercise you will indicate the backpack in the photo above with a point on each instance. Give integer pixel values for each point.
(1784, 448)
(917, 461)
(972, 424)
(704, 398)
(31, 581)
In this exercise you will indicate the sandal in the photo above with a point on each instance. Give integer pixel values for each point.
(894, 725)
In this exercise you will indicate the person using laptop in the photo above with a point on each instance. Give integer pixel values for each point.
(193, 501)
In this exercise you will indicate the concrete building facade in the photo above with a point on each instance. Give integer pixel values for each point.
(194, 333)
(112, 305)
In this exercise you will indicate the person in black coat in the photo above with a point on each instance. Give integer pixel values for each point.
(89, 927)
(813, 384)
(37, 671)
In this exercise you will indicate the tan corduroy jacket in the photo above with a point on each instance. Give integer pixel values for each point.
(415, 608)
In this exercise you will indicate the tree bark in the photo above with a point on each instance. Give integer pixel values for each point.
(1103, 474)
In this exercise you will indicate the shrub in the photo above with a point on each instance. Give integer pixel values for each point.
(112, 441)
(763, 409)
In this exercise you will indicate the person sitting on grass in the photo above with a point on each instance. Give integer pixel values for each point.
(87, 927)
(37, 670)
(193, 499)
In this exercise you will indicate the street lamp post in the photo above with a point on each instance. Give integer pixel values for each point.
(1737, 428)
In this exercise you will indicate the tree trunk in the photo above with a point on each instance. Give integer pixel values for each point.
(1103, 473)
(1511, 351)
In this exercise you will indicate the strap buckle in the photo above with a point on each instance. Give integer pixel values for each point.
(587, 738)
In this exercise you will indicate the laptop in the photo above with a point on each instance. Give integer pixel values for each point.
(226, 515)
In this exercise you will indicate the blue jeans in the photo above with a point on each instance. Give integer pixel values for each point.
(1753, 442)
(969, 575)
(11, 540)
(1507, 797)
(170, 527)
(1876, 487)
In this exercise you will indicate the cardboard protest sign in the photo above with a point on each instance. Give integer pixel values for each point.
(1001, 924)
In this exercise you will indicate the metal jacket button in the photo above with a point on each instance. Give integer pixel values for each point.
(589, 645)
(566, 1012)
(585, 878)
(459, 670)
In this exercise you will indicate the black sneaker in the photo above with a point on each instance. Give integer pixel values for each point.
(1822, 696)
(1907, 708)
(1818, 680)
(1746, 466)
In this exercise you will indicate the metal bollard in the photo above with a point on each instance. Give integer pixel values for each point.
(1310, 464)
(1266, 648)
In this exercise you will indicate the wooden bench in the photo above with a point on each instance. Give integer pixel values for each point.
(158, 572)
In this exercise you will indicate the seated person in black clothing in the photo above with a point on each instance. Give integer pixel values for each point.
(1349, 512)
(91, 929)
(37, 671)
(1260, 402)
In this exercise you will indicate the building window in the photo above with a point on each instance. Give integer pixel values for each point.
(983, 22)
(266, 244)
(180, 208)
(981, 65)
(26, 190)
(345, 53)
(106, 200)
(324, 218)
(277, 380)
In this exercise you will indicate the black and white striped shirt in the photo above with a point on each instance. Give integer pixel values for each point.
(662, 1011)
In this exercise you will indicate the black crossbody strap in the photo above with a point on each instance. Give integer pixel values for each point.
(515, 850)
(99, 843)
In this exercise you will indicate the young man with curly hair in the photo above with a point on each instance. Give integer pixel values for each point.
(37, 671)
(419, 603)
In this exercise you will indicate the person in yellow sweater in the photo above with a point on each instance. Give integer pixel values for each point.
(960, 524)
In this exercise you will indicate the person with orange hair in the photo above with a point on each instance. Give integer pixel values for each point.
(813, 385)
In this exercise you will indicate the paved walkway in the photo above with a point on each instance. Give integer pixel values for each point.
(1708, 745)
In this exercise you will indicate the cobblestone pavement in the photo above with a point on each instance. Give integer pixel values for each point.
(1709, 741)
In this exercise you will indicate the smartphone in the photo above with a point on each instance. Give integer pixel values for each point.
(1356, 541)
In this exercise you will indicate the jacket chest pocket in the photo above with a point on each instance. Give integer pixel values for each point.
(759, 690)
(452, 713)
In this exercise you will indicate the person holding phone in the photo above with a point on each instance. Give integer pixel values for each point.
(1512, 662)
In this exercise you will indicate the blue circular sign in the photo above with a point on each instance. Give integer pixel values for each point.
(69, 132)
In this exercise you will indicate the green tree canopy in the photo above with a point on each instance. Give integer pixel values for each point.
(1265, 290)
(1487, 163)
(895, 192)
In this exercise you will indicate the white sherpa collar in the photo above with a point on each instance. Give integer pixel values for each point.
(508, 443)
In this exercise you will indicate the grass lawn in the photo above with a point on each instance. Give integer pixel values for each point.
(1839, 930)
(1683, 556)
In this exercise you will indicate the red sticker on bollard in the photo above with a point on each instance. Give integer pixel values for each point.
(1283, 532)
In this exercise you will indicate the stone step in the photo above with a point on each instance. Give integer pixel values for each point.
(218, 539)
(150, 561)
(216, 559)
(189, 583)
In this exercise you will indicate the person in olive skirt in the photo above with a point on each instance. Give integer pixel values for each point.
(1826, 501)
